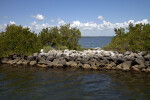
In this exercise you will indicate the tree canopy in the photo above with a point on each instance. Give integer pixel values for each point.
(134, 38)
(17, 40)
(65, 36)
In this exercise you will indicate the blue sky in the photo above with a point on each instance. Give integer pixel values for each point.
(92, 17)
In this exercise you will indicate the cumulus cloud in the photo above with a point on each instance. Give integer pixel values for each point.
(60, 21)
(38, 17)
(105, 25)
(12, 22)
(100, 18)
(34, 26)
(105, 28)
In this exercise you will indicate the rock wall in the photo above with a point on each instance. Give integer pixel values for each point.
(88, 59)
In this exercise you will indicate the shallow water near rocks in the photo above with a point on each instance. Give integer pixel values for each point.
(32, 83)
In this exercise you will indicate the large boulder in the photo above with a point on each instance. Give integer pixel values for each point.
(126, 65)
(42, 61)
(86, 66)
(10, 62)
(33, 63)
(140, 62)
(19, 62)
(147, 57)
(30, 58)
(50, 58)
(72, 64)
(147, 63)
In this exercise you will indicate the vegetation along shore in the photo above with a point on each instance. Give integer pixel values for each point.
(58, 47)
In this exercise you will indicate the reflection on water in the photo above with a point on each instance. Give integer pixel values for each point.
(21, 83)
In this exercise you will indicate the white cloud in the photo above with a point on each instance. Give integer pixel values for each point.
(2, 27)
(34, 26)
(12, 22)
(61, 22)
(99, 29)
(100, 18)
(52, 20)
(105, 28)
(39, 17)
(33, 23)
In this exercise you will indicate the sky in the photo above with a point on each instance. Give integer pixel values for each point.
(92, 17)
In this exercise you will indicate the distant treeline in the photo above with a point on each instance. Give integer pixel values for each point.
(134, 38)
(17, 40)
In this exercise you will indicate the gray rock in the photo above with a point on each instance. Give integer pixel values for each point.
(25, 62)
(19, 63)
(63, 61)
(42, 61)
(147, 57)
(127, 57)
(30, 58)
(14, 56)
(147, 63)
(121, 59)
(126, 65)
(4, 60)
(112, 65)
(35, 54)
(135, 68)
(50, 58)
(140, 62)
(119, 66)
(127, 53)
(33, 63)
(86, 66)
(10, 62)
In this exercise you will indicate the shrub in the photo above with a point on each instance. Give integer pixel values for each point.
(135, 38)
(16, 40)
(61, 38)
(47, 48)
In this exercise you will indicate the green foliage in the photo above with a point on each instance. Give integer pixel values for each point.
(64, 37)
(137, 38)
(17, 39)
(47, 48)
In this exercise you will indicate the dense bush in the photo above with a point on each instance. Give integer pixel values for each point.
(61, 38)
(16, 40)
(134, 38)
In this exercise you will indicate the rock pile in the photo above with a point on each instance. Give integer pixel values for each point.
(87, 59)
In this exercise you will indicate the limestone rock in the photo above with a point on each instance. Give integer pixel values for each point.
(33, 63)
(86, 66)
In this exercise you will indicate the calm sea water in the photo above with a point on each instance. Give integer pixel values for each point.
(93, 42)
(22, 83)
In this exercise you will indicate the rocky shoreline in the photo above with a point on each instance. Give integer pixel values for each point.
(88, 59)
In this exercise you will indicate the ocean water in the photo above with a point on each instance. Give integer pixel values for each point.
(93, 42)
(31, 83)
